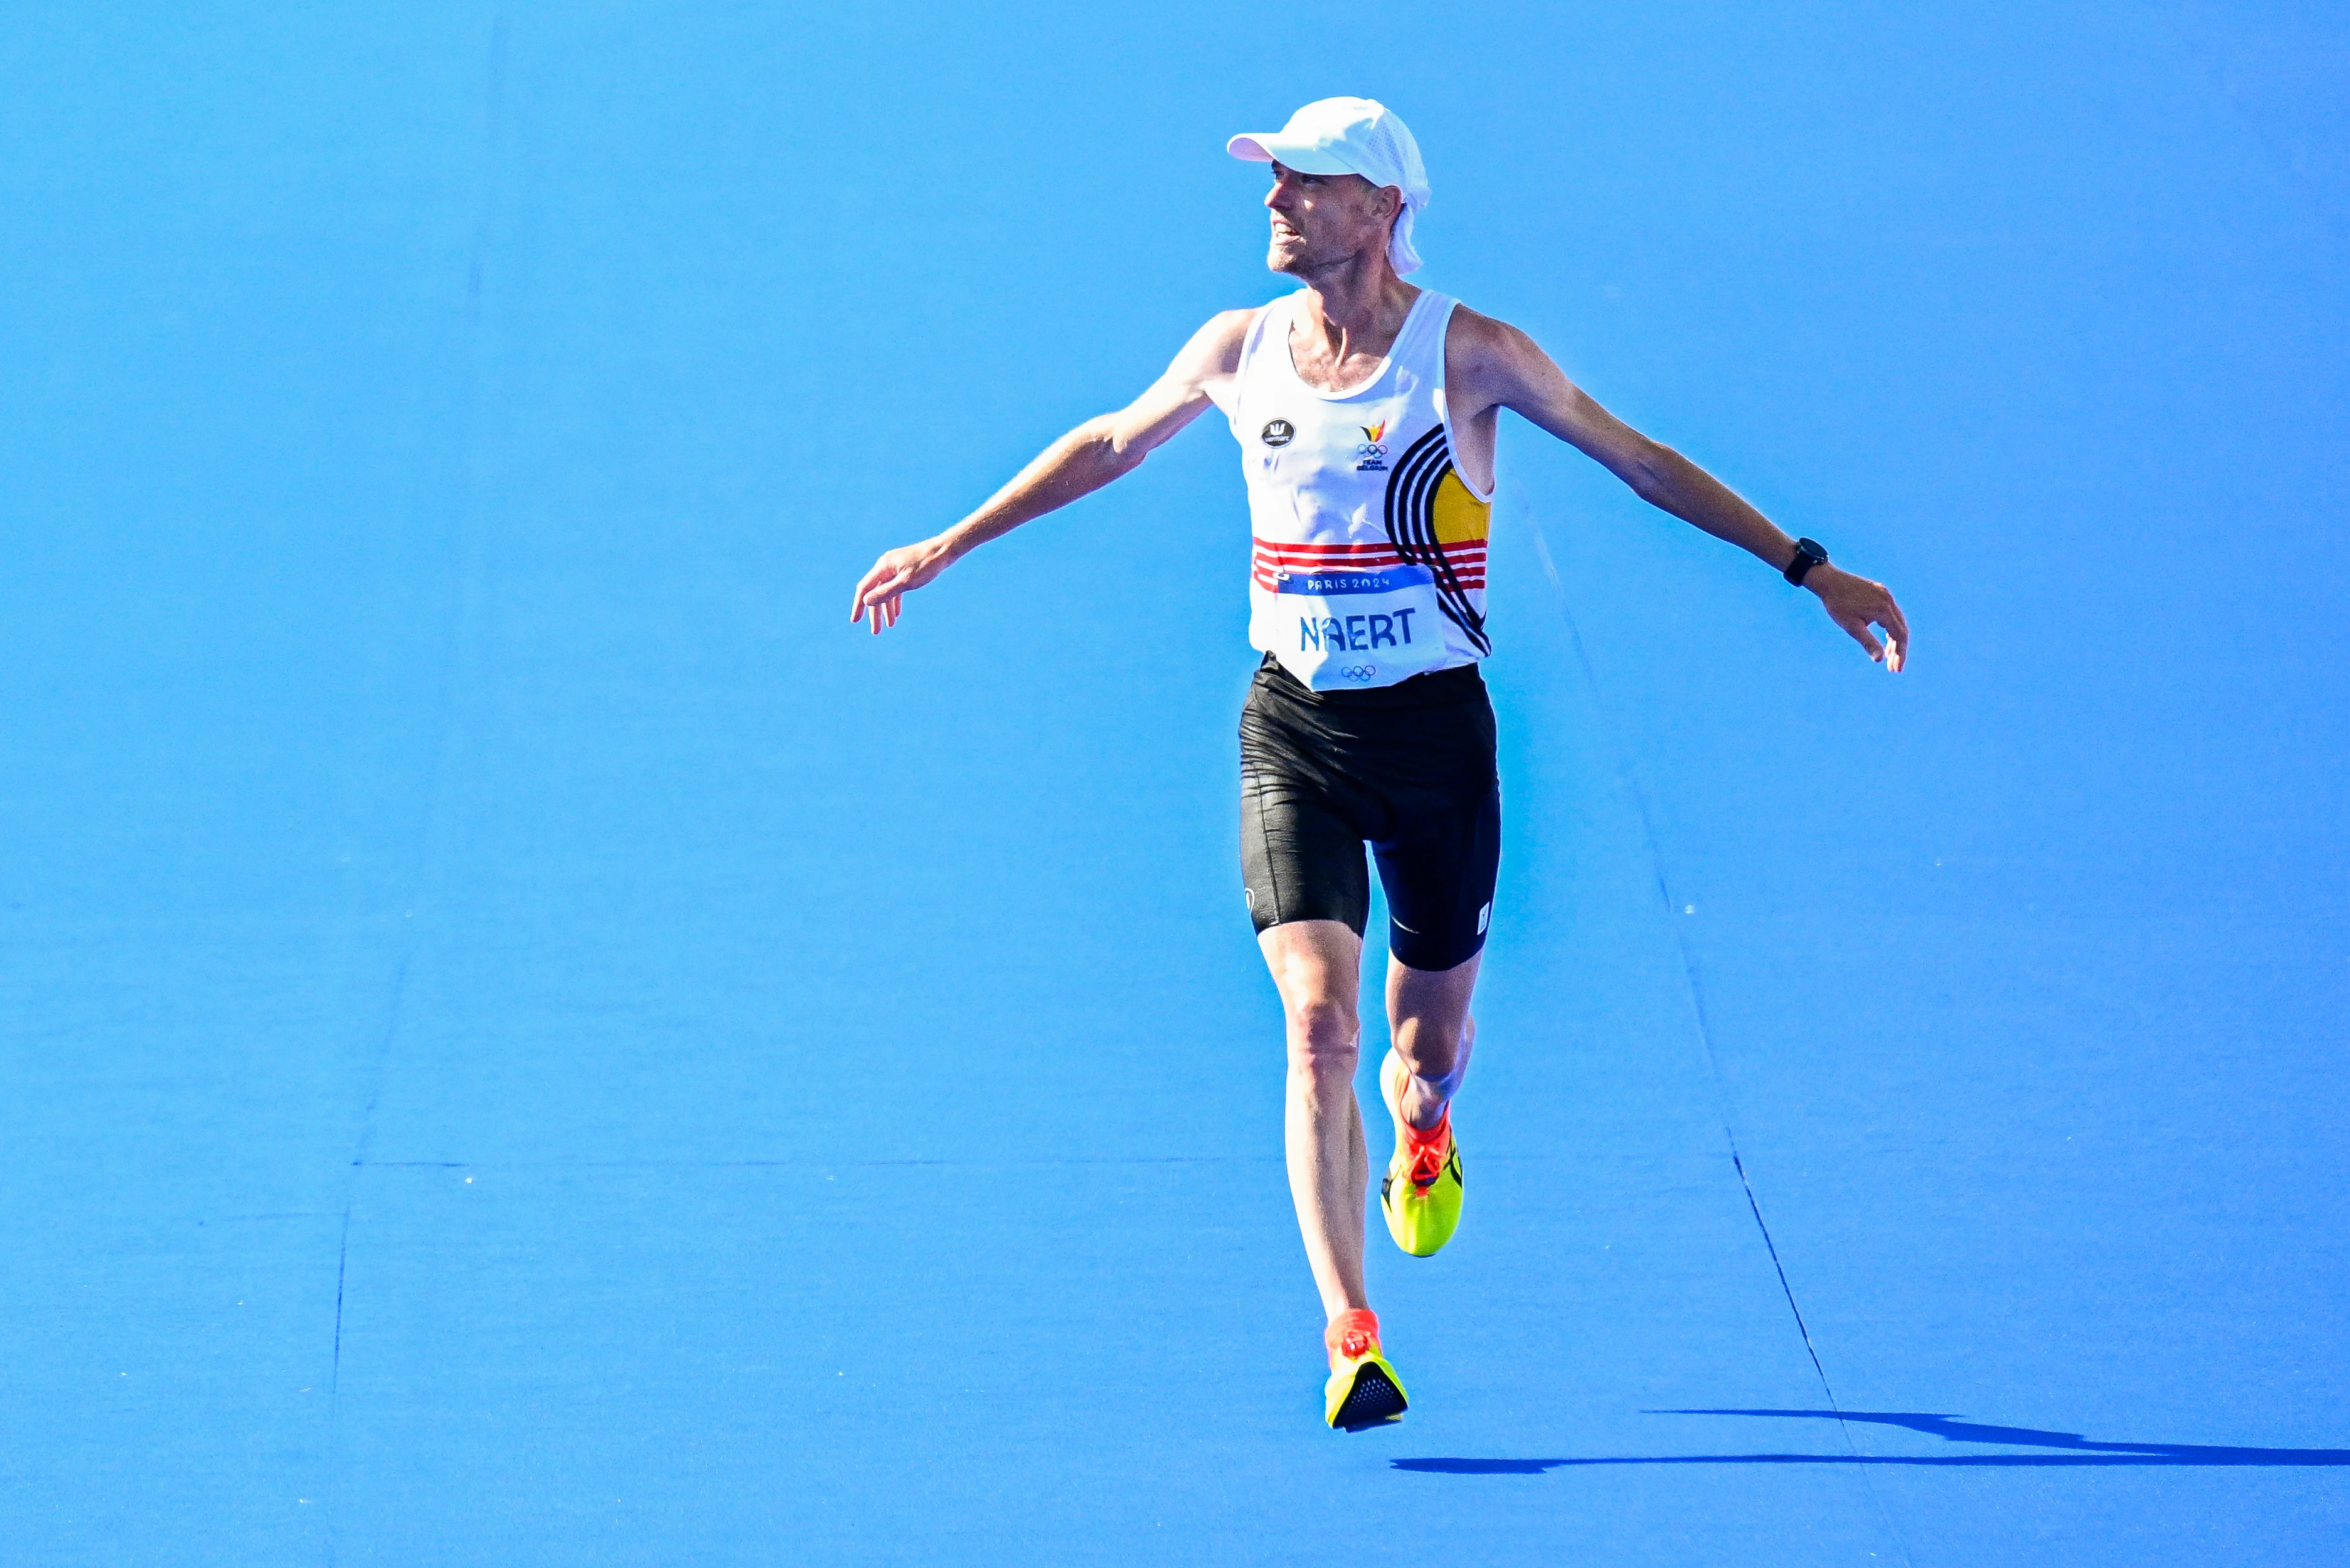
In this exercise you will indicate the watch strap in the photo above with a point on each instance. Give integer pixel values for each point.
(1809, 553)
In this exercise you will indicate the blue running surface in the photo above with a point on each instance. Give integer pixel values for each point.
(528, 1040)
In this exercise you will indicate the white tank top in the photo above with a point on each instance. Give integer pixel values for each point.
(1368, 564)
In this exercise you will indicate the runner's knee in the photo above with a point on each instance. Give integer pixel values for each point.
(1432, 1048)
(1324, 1032)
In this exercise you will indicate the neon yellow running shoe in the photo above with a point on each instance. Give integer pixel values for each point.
(1363, 1391)
(1420, 1194)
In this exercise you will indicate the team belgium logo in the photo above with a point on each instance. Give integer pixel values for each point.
(1277, 432)
(1373, 454)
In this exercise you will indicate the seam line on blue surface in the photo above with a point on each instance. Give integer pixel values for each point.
(463, 612)
(1631, 784)
(342, 1272)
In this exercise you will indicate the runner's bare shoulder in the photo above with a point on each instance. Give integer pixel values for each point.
(1474, 342)
(1214, 351)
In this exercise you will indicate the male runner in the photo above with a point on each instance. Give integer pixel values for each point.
(1365, 410)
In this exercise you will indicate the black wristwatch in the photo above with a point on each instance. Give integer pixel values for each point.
(1809, 553)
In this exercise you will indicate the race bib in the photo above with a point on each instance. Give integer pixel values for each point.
(1345, 628)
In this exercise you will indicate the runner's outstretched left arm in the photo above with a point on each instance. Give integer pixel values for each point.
(1100, 449)
(1495, 365)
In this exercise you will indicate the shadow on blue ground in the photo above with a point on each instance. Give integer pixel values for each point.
(2081, 1450)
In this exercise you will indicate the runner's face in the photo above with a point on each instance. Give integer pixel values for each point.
(1320, 220)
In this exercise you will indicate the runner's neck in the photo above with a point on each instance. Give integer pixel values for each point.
(1347, 319)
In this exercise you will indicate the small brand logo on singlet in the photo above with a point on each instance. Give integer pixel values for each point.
(1277, 432)
(1373, 451)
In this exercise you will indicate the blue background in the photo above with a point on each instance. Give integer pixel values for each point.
(529, 1041)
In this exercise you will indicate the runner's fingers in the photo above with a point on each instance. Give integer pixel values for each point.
(864, 587)
(882, 579)
(875, 587)
(1868, 640)
(1883, 612)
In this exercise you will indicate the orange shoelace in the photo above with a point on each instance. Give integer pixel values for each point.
(1429, 1149)
(1353, 1333)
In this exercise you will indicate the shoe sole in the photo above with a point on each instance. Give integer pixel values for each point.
(1373, 1401)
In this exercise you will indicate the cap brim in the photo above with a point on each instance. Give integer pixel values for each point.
(1271, 146)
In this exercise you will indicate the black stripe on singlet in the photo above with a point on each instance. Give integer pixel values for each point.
(1412, 528)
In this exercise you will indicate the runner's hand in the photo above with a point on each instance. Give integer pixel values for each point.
(1854, 604)
(896, 574)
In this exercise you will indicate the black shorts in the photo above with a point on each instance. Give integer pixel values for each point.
(1409, 767)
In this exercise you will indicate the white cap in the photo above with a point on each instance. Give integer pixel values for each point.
(1349, 136)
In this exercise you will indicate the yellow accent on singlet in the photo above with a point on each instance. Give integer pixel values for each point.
(1460, 516)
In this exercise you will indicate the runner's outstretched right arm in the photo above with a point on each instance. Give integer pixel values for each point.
(1102, 448)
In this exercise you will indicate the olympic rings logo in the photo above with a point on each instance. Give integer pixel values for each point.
(1359, 671)
(1371, 449)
